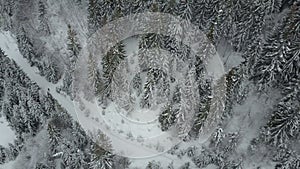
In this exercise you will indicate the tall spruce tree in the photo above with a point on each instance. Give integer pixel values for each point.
(26, 47)
(110, 62)
(43, 18)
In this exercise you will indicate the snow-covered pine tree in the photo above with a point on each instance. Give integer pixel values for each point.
(102, 11)
(218, 137)
(285, 121)
(205, 14)
(93, 13)
(73, 46)
(67, 82)
(121, 162)
(120, 85)
(119, 10)
(93, 73)
(2, 154)
(205, 93)
(284, 124)
(291, 68)
(51, 72)
(148, 95)
(149, 41)
(25, 46)
(43, 18)
(34, 118)
(137, 83)
(218, 103)
(251, 55)
(184, 9)
(101, 159)
(248, 24)
(223, 20)
(7, 11)
(167, 6)
(188, 104)
(49, 104)
(278, 61)
(166, 118)
(286, 159)
(137, 6)
(110, 62)
(233, 81)
(273, 6)
(54, 136)
(153, 165)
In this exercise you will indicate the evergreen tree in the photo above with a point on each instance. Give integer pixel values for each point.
(121, 162)
(120, 87)
(110, 62)
(167, 6)
(138, 6)
(74, 48)
(94, 19)
(248, 24)
(205, 13)
(54, 137)
(148, 95)
(188, 104)
(7, 11)
(73, 45)
(277, 62)
(137, 83)
(25, 46)
(2, 155)
(93, 73)
(273, 6)
(286, 159)
(285, 121)
(67, 82)
(42, 17)
(51, 72)
(233, 88)
(101, 158)
(284, 124)
(166, 118)
(153, 165)
(202, 114)
(184, 10)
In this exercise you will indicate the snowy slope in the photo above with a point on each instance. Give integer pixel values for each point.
(6, 133)
(9, 165)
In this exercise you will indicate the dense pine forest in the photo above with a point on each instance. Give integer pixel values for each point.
(149, 102)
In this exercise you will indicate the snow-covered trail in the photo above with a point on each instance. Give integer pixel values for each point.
(9, 46)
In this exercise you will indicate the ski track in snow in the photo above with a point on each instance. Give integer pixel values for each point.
(9, 46)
